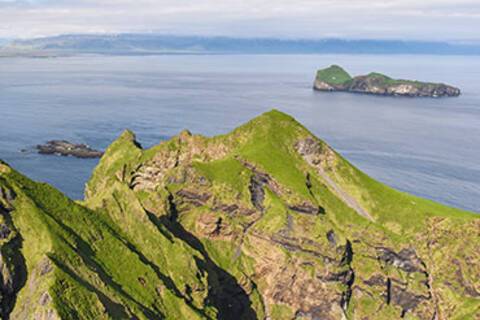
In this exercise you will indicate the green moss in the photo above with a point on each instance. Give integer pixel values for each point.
(281, 312)
(226, 171)
(275, 217)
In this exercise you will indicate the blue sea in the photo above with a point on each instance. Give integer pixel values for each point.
(428, 147)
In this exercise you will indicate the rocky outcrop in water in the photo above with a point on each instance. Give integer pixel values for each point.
(66, 148)
(335, 78)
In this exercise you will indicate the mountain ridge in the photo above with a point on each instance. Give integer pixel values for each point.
(139, 44)
(244, 225)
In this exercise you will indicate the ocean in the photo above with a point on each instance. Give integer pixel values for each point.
(428, 147)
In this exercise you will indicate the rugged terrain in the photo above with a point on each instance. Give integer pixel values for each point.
(266, 222)
(334, 78)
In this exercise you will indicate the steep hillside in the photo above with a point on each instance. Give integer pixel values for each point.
(264, 222)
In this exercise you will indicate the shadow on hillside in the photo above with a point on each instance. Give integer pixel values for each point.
(87, 255)
(11, 258)
(225, 294)
(115, 310)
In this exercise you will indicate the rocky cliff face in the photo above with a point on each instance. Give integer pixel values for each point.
(335, 78)
(267, 222)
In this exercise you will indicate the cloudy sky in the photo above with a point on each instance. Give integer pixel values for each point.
(366, 19)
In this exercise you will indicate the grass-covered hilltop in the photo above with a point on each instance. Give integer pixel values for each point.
(266, 222)
(335, 78)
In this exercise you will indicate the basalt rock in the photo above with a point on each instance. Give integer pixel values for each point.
(66, 148)
(306, 208)
(406, 259)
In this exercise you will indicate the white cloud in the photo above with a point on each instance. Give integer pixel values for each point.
(427, 19)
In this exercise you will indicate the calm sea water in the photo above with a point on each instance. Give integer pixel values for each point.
(428, 147)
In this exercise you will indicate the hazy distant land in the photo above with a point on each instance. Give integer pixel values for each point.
(145, 44)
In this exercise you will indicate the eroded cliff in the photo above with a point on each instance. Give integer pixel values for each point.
(266, 222)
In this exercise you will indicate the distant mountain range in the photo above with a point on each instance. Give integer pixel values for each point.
(164, 44)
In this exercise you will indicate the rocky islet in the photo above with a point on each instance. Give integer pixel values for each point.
(66, 148)
(335, 78)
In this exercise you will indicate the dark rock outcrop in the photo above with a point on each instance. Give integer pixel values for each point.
(65, 148)
(257, 194)
(405, 260)
(12, 263)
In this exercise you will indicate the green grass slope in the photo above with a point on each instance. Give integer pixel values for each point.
(334, 75)
(386, 81)
(264, 222)
(80, 265)
(212, 183)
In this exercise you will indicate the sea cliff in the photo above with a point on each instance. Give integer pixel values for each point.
(266, 222)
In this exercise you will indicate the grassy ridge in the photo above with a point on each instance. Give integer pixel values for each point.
(212, 228)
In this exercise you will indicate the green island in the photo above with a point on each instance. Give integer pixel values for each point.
(265, 222)
(335, 78)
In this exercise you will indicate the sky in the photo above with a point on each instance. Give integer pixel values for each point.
(437, 20)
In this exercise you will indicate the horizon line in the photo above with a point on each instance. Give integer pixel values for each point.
(306, 39)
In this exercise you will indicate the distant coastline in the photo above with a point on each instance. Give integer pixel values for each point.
(156, 44)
